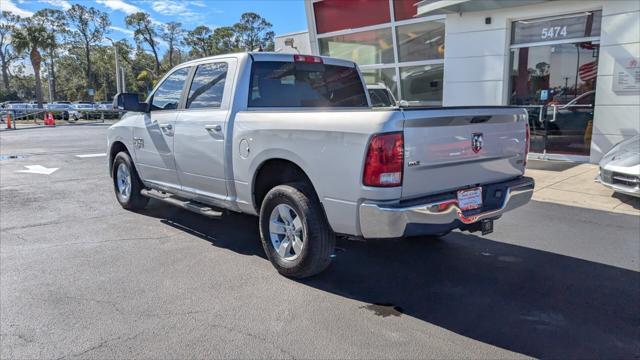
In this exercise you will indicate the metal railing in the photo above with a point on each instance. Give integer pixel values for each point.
(37, 116)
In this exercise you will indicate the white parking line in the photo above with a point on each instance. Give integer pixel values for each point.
(91, 155)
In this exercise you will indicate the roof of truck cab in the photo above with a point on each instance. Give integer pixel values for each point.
(271, 56)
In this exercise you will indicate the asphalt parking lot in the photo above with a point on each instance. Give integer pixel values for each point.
(81, 277)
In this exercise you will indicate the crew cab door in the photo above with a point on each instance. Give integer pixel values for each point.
(153, 140)
(201, 127)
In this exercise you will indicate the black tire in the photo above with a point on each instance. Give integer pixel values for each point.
(135, 200)
(319, 241)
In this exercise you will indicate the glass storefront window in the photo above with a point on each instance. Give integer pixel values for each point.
(365, 48)
(421, 41)
(386, 77)
(553, 73)
(422, 85)
(560, 81)
(334, 15)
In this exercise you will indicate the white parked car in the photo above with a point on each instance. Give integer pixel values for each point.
(60, 110)
(18, 108)
(620, 167)
(80, 110)
(104, 105)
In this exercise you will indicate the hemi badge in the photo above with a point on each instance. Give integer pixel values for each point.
(414, 163)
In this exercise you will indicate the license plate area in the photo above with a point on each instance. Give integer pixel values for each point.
(470, 199)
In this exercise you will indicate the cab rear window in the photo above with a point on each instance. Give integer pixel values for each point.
(292, 84)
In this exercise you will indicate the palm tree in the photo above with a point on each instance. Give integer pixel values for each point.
(30, 38)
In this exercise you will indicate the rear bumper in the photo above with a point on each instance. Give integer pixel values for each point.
(440, 213)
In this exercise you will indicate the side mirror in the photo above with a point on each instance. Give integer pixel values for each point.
(129, 102)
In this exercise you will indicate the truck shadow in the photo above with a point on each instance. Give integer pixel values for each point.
(529, 301)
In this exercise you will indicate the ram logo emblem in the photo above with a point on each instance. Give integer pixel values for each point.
(476, 142)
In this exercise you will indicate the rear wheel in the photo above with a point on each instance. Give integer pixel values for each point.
(126, 183)
(294, 231)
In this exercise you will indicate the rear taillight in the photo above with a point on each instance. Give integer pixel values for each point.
(307, 59)
(527, 143)
(384, 162)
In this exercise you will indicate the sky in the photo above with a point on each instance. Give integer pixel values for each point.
(285, 15)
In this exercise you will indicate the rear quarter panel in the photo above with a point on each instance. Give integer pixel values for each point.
(328, 145)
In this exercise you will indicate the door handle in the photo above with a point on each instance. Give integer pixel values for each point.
(216, 128)
(166, 126)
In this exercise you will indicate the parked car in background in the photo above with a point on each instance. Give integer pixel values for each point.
(620, 167)
(293, 139)
(381, 96)
(59, 109)
(17, 107)
(81, 110)
(104, 105)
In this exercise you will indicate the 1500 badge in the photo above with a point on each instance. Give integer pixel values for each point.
(138, 142)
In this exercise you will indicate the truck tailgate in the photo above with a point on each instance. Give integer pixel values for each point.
(452, 148)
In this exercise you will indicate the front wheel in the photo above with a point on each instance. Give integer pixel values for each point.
(295, 233)
(126, 183)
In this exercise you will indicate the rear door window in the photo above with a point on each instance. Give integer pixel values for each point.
(207, 87)
(289, 84)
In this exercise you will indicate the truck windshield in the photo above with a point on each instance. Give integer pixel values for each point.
(288, 84)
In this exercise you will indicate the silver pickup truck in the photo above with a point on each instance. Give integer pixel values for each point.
(293, 139)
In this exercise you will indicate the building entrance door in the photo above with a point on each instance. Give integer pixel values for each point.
(555, 79)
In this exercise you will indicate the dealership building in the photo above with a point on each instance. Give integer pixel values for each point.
(575, 65)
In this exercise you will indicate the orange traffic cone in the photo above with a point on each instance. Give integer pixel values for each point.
(52, 121)
(9, 121)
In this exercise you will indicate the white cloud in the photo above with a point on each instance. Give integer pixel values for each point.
(122, 30)
(170, 7)
(64, 4)
(203, 4)
(119, 5)
(8, 5)
(198, 3)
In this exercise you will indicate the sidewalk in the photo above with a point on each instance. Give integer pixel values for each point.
(573, 185)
